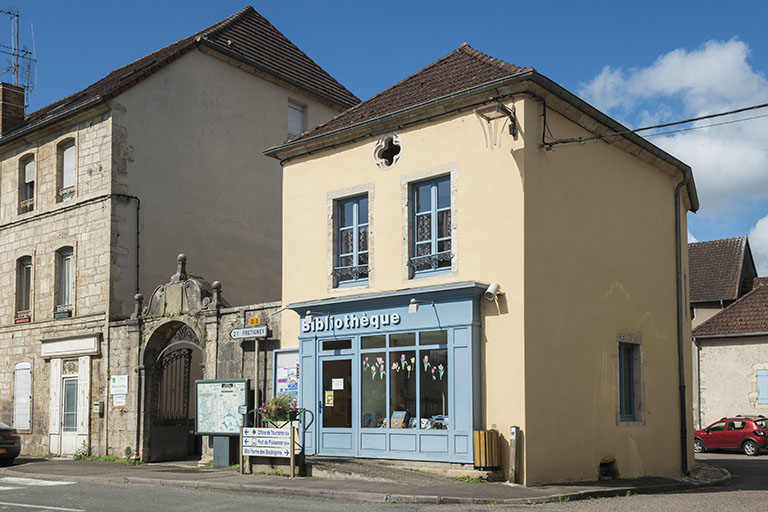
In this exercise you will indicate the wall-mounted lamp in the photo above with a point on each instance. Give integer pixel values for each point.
(492, 291)
(309, 314)
(413, 305)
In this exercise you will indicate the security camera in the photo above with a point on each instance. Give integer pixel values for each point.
(491, 292)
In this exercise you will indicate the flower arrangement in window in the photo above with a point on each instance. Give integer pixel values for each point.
(283, 407)
(434, 371)
(376, 368)
(404, 364)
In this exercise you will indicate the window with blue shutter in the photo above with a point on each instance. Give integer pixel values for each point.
(627, 382)
(762, 386)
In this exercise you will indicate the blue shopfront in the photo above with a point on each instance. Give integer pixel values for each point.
(393, 375)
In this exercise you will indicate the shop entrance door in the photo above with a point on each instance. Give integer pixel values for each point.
(336, 407)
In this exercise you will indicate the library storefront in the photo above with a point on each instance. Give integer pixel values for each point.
(393, 375)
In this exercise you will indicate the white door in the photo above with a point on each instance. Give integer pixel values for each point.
(69, 416)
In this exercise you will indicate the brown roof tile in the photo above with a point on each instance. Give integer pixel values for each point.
(246, 35)
(748, 315)
(715, 268)
(461, 69)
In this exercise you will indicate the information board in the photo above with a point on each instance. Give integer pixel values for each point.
(217, 406)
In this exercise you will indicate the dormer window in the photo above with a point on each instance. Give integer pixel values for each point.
(27, 174)
(66, 170)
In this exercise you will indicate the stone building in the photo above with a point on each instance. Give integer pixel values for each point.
(731, 359)
(454, 259)
(101, 189)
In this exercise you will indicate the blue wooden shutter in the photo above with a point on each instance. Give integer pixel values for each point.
(762, 386)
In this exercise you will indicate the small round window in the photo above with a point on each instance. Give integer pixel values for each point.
(387, 151)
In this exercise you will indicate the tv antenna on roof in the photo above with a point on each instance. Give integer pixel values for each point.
(21, 58)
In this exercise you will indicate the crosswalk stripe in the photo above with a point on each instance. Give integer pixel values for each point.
(13, 480)
(42, 507)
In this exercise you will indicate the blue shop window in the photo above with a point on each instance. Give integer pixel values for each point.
(627, 381)
(404, 381)
(431, 225)
(351, 261)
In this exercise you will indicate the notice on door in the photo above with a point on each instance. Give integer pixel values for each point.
(337, 384)
(329, 398)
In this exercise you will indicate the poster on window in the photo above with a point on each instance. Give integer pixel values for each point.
(287, 373)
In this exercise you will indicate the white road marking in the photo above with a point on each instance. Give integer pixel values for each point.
(42, 507)
(13, 480)
(8, 488)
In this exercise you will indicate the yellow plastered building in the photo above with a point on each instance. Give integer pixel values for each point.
(476, 248)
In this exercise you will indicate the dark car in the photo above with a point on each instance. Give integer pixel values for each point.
(746, 433)
(10, 444)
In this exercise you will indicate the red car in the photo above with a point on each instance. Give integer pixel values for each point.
(746, 433)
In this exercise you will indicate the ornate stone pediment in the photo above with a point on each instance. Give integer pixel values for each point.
(184, 294)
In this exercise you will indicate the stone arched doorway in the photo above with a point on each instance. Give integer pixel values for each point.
(173, 360)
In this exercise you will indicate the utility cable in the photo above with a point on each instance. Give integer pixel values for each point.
(581, 140)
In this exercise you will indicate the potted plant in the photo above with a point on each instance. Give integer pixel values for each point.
(280, 409)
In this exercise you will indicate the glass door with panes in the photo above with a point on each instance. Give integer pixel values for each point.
(336, 407)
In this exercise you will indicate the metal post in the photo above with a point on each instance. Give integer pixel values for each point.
(514, 440)
(292, 453)
(240, 450)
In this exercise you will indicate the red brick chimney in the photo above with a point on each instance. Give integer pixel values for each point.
(11, 107)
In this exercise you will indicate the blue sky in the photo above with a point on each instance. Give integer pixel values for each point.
(640, 62)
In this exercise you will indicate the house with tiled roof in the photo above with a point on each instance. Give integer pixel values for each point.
(731, 350)
(721, 271)
(101, 189)
(477, 249)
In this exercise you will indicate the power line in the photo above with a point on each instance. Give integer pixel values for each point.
(581, 140)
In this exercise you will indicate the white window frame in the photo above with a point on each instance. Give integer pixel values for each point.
(27, 178)
(64, 278)
(67, 170)
(294, 109)
(23, 285)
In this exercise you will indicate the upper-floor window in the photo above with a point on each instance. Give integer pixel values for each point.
(63, 282)
(431, 229)
(66, 170)
(27, 174)
(296, 122)
(352, 248)
(23, 288)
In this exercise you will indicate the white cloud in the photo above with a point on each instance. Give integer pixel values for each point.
(758, 241)
(691, 238)
(730, 162)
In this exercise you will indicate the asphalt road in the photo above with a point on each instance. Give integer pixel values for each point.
(748, 490)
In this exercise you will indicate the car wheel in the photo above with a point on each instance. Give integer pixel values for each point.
(698, 446)
(750, 448)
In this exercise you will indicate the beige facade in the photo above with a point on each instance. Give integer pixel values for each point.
(581, 240)
(97, 195)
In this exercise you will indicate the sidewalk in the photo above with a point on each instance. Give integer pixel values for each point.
(357, 480)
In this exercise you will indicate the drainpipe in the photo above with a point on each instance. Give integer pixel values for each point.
(698, 382)
(680, 341)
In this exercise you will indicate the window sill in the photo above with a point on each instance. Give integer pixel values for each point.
(431, 273)
(62, 313)
(23, 318)
(360, 283)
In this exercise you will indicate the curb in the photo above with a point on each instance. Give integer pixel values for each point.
(374, 497)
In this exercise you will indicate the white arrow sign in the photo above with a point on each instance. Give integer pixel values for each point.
(248, 332)
(266, 452)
